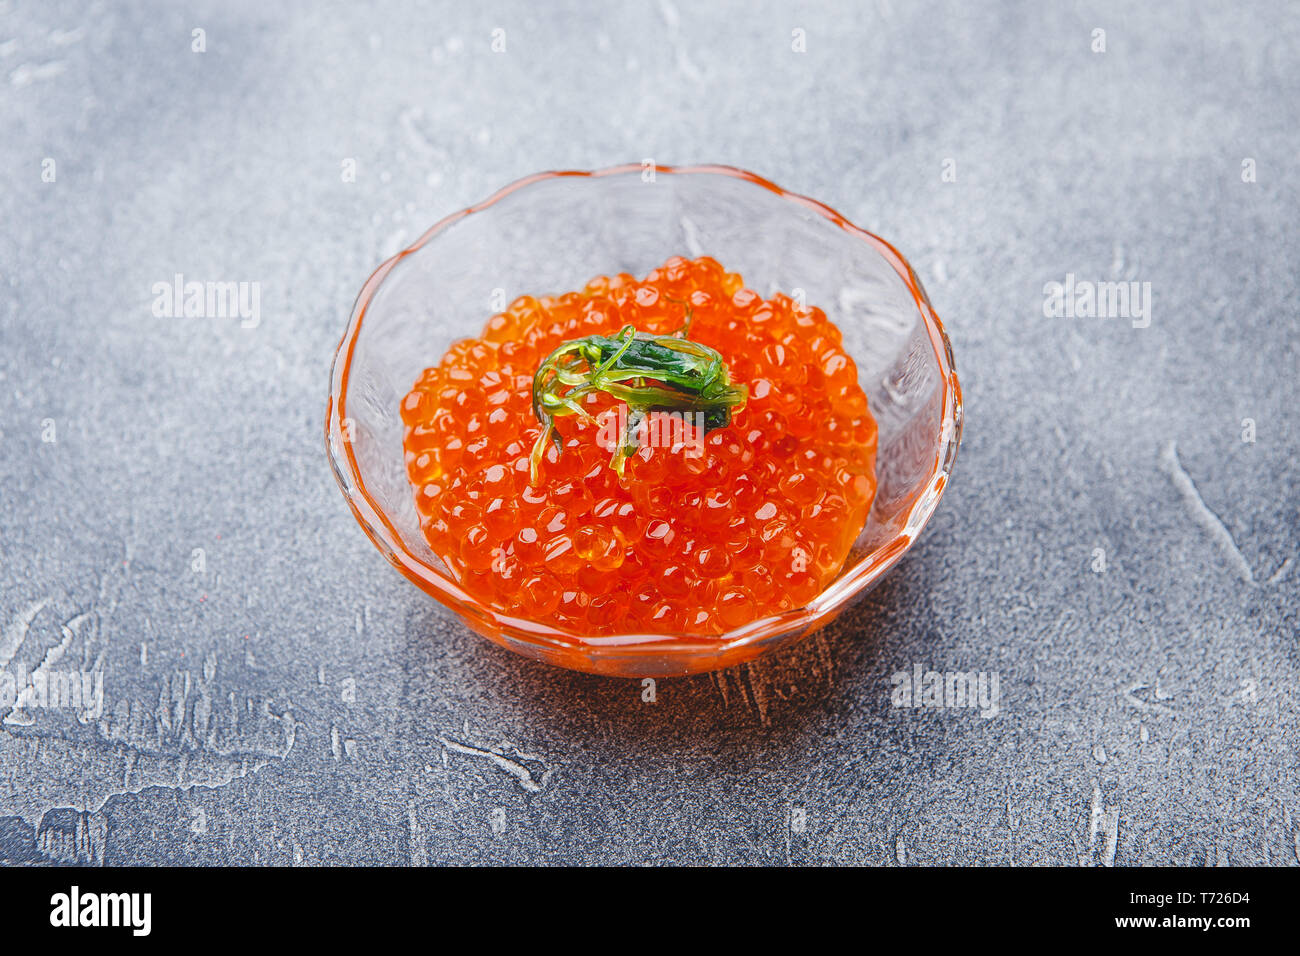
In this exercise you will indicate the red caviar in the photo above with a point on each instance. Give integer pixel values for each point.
(706, 530)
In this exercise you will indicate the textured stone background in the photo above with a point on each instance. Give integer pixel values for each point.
(298, 701)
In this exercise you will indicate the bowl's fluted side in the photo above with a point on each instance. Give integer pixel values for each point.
(551, 233)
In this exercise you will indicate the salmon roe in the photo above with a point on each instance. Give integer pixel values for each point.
(704, 532)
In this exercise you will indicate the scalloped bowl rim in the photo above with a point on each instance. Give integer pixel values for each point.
(498, 626)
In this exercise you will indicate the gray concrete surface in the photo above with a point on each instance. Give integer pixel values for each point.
(275, 693)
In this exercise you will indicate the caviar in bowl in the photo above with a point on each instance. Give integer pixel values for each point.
(490, 265)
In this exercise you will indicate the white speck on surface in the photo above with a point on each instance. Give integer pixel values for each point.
(26, 74)
(67, 37)
(16, 632)
(419, 857)
(514, 767)
(1131, 694)
(1103, 823)
(1202, 514)
(1280, 573)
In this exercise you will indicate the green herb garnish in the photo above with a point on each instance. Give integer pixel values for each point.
(648, 373)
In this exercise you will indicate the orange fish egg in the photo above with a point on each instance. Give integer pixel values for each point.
(706, 530)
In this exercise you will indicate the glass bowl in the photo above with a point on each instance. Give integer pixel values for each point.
(552, 232)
